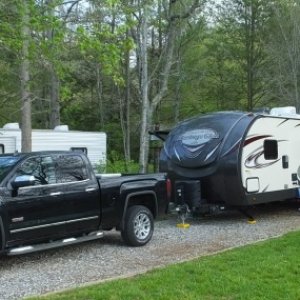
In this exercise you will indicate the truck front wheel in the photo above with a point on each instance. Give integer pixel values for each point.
(138, 226)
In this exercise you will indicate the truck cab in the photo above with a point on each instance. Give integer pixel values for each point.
(56, 196)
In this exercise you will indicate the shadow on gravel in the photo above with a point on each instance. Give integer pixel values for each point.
(257, 212)
(110, 239)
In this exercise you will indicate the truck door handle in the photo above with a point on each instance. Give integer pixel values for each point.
(55, 194)
(90, 189)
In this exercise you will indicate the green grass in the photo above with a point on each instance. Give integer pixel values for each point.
(267, 270)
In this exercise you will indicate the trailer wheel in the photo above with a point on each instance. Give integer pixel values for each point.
(138, 226)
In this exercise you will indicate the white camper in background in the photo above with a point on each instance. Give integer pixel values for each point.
(60, 138)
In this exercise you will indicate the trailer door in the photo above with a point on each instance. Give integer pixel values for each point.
(7, 144)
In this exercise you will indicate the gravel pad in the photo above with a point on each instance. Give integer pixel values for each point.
(73, 266)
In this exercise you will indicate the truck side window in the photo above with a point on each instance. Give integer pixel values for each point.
(270, 149)
(49, 169)
(71, 168)
(42, 168)
(1, 148)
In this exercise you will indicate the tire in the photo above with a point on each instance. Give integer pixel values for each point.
(138, 226)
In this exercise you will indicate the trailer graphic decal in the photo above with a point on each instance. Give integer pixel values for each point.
(182, 150)
(282, 122)
(265, 189)
(232, 149)
(255, 138)
(198, 137)
(190, 144)
(212, 152)
(252, 161)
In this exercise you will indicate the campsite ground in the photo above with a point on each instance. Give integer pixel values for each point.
(108, 258)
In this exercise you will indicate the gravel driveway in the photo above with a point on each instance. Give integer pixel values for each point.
(108, 258)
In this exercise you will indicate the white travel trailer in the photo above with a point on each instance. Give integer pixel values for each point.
(234, 159)
(60, 138)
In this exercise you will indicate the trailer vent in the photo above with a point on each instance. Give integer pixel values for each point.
(11, 126)
(61, 128)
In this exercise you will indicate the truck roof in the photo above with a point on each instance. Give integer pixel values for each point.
(24, 154)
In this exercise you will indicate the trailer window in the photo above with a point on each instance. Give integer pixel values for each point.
(79, 149)
(1, 149)
(270, 149)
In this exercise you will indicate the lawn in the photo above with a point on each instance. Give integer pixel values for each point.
(266, 270)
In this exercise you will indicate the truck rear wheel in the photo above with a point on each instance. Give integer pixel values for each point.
(138, 226)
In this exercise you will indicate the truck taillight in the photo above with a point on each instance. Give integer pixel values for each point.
(169, 188)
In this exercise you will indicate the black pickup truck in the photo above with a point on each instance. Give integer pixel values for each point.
(51, 199)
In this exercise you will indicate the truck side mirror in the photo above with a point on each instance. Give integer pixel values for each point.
(23, 180)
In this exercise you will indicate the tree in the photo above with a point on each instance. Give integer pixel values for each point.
(25, 79)
(283, 46)
(10, 48)
(209, 77)
(177, 14)
(54, 80)
(246, 22)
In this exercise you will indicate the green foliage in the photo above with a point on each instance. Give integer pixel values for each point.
(104, 47)
(283, 61)
(267, 270)
(87, 48)
(116, 164)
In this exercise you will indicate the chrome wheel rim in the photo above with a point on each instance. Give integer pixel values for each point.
(142, 226)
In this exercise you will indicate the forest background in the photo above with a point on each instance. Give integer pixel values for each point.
(129, 66)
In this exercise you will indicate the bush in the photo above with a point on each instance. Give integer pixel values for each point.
(116, 164)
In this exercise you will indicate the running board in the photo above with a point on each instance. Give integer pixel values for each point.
(51, 245)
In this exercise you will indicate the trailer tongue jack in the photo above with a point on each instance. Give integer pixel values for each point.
(183, 211)
(251, 219)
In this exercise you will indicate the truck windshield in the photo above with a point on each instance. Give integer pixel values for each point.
(6, 164)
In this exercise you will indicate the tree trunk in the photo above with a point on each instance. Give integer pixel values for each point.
(99, 91)
(54, 80)
(127, 151)
(24, 78)
(178, 86)
(54, 99)
(250, 36)
(169, 53)
(144, 136)
(149, 107)
(125, 108)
